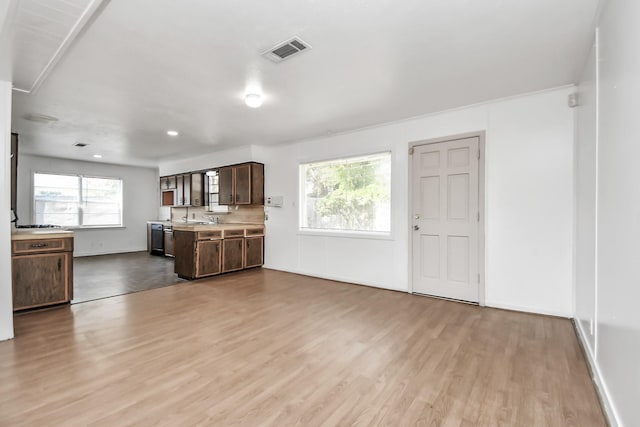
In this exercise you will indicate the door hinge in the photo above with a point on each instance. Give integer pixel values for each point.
(478, 278)
(410, 150)
(478, 154)
(478, 216)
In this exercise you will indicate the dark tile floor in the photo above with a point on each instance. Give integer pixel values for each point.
(102, 276)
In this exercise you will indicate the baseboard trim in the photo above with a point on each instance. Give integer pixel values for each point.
(123, 251)
(511, 307)
(336, 279)
(602, 391)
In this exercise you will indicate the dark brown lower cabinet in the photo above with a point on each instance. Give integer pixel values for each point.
(41, 272)
(253, 251)
(208, 252)
(208, 257)
(232, 254)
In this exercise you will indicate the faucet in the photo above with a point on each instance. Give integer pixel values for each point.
(213, 219)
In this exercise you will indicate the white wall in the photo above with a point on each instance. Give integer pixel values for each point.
(207, 161)
(140, 202)
(6, 301)
(529, 202)
(616, 294)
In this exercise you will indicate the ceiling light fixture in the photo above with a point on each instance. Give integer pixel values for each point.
(172, 132)
(253, 100)
(97, 156)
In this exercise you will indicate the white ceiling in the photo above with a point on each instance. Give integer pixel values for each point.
(141, 67)
(43, 31)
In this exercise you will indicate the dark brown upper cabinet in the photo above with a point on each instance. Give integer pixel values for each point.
(182, 190)
(242, 184)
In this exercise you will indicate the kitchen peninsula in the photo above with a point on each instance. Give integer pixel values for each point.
(204, 250)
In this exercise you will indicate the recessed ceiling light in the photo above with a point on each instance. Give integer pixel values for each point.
(253, 100)
(172, 132)
(97, 156)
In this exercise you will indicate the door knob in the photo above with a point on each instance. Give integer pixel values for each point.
(416, 227)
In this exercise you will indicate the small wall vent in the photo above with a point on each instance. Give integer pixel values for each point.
(286, 49)
(80, 144)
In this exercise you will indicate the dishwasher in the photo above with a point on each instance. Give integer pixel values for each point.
(157, 239)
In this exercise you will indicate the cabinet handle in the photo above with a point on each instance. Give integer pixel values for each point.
(39, 245)
(230, 198)
(59, 264)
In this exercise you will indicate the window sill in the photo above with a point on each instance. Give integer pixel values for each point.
(97, 227)
(346, 234)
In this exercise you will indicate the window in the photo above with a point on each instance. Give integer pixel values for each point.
(212, 192)
(77, 201)
(351, 194)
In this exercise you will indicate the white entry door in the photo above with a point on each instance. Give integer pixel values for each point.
(446, 219)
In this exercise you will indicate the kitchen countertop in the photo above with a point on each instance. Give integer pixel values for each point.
(209, 227)
(40, 233)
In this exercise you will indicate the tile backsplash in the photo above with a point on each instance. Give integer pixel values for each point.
(237, 214)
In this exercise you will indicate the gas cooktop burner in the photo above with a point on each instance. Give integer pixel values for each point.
(38, 226)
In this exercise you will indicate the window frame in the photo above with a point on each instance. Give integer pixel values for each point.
(79, 176)
(355, 234)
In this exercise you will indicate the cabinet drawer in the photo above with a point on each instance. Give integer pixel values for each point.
(254, 231)
(233, 233)
(41, 245)
(210, 235)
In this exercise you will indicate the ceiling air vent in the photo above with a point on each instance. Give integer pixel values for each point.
(286, 49)
(80, 144)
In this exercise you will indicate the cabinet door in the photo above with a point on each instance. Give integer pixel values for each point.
(253, 252)
(208, 258)
(243, 184)
(232, 254)
(186, 183)
(179, 190)
(196, 189)
(225, 182)
(257, 184)
(39, 279)
(168, 197)
(171, 182)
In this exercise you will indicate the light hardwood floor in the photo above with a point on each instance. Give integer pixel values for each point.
(269, 348)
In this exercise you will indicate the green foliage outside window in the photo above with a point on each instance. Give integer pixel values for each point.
(348, 194)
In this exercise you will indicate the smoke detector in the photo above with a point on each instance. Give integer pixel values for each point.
(286, 49)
